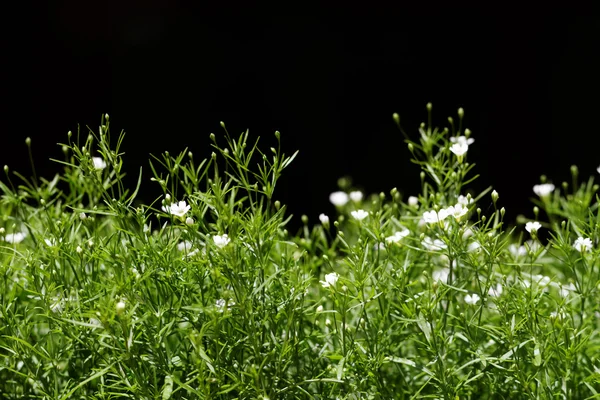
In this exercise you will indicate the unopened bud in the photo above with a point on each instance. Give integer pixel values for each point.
(189, 221)
(28, 141)
(277, 205)
(461, 113)
(494, 196)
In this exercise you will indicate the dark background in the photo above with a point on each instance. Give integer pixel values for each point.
(327, 79)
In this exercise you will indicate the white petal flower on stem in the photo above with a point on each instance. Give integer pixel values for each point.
(532, 227)
(432, 217)
(359, 214)
(356, 196)
(397, 236)
(434, 245)
(495, 291)
(457, 211)
(472, 299)
(324, 219)
(186, 245)
(460, 149)
(330, 280)
(441, 275)
(464, 200)
(178, 209)
(583, 244)
(99, 163)
(461, 140)
(339, 198)
(221, 240)
(413, 201)
(567, 289)
(14, 238)
(544, 189)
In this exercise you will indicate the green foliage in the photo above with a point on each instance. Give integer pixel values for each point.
(205, 294)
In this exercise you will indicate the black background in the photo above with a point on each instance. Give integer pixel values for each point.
(328, 79)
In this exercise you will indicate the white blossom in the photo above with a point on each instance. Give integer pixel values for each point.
(177, 209)
(566, 290)
(397, 236)
(356, 196)
(359, 214)
(330, 280)
(472, 299)
(432, 217)
(435, 245)
(517, 251)
(544, 189)
(120, 306)
(441, 275)
(99, 163)
(460, 149)
(186, 245)
(583, 244)
(14, 238)
(532, 227)
(461, 140)
(221, 240)
(495, 291)
(457, 211)
(189, 221)
(465, 200)
(324, 219)
(339, 198)
(413, 201)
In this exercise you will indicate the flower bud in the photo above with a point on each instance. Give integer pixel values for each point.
(461, 113)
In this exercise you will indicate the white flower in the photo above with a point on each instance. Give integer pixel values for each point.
(356, 196)
(441, 275)
(472, 299)
(432, 217)
(566, 290)
(339, 199)
(544, 189)
(598, 169)
(221, 240)
(177, 209)
(457, 211)
(324, 219)
(120, 306)
(461, 140)
(98, 163)
(460, 149)
(583, 244)
(413, 201)
(397, 236)
(430, 244)
(82, 216)
(474, 245)
(320, 309)
(186, 245)
(517, 251)
(189, 221)
(495, 291)
(532, 227)
(330, 280)
(359, 214)
(464, 200)
(79, 250)
(14, 238)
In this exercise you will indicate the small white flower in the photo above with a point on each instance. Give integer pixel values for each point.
(324, 219)
(221, 240)
(359, 214)
(517, 251)
(220, 304)
(82, 216)
(178, 209)
(330, 280)
(473, 246)
(98, 163)
(461, 140)
(458, 211)
(532, 227)
(327, 322)
(186, 245)
(397, 236)
(320, 309)
(435, 245)
(544, 189)
(441, 275)
(339, 198)
(465, 200)
(356, 196)
(495, 291)
(472, 299)
(460, 149)
(566, 290)
(120, 306)
(14, 238)
(583, 244)
(79, 250)
(189, 221)
(432, 217)
(413, 201)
